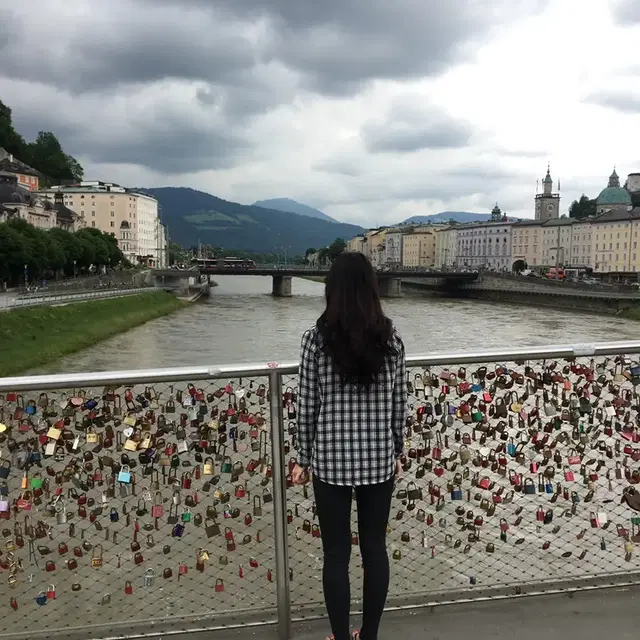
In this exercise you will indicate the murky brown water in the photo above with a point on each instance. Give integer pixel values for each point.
(242, 322)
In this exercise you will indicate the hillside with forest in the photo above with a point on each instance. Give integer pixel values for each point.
(44, 154)
(195, 216)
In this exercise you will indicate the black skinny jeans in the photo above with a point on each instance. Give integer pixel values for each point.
(333, 505)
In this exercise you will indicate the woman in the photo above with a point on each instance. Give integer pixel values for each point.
(351, 411)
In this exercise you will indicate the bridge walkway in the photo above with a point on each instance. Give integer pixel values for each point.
(580, 616)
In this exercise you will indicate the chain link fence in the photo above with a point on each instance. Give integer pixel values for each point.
(517, 476)
(135, 504)
(131, 506)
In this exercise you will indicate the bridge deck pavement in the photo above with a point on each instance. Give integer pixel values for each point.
(585, 616)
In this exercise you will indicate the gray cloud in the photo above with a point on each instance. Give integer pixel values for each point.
(338, 45)
(627, 12)
(165, 136)
(623, 101)
(407, 128)
(113, 70)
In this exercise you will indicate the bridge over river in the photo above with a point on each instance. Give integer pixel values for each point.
(388, 281)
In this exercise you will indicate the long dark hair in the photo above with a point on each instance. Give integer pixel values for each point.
(355, 332)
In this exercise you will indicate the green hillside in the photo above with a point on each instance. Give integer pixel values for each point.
(194, 216)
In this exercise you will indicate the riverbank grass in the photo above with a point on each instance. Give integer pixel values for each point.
(33, 337)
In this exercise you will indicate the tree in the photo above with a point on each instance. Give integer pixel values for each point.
(10, 139)
(582, 208)
(323, 255)
(336, 248)
(75, 168)
(309, 251)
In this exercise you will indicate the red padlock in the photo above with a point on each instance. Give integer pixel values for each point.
(219, 585)
(51, 592)
(14, 604)
(248, 519)
(253, 563)
(240, 572)
(269, 575)
(128, 588)
(72, 564)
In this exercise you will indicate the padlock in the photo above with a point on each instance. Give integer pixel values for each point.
(219, 586)
(96, 558)
(124, 475)
(157, 509)
(148, 578)
(128, 588)
(51, 592)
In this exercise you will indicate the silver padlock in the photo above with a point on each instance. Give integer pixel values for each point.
(106, 598)
(177, 498)
(61, 512)
(148, 578)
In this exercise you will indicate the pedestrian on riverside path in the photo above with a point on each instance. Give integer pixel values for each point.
(352, 399)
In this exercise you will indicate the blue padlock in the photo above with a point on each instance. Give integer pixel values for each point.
(124, 475)
(114, 516)
(178, 530)
(548, 487)
(456, 494)
(41, 598)
(511, 449)
(31, 408)
(529, 487)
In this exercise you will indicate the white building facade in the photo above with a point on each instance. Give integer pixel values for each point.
(485, 245)
(393, 249)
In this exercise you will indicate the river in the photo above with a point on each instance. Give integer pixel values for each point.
(241, 322)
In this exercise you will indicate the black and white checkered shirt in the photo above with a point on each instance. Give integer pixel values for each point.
(349, 436)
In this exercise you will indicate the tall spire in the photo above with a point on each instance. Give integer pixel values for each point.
(547, 178)
(614, 180)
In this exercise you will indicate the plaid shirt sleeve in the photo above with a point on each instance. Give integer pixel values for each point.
(308, 399)
(399, 399)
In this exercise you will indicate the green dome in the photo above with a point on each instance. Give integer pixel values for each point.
(614, 195)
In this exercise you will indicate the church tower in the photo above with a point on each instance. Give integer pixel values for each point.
(547, 202)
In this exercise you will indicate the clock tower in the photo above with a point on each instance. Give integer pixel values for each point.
(547, 203)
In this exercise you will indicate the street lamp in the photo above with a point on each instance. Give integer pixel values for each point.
(74, 268)
(26, 277)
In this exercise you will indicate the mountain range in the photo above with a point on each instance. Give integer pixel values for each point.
(193, 216)
(286, 204)
(445, 216)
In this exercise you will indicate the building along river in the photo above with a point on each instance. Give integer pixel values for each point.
(242, 322)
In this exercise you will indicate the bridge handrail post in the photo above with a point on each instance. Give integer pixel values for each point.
(283, 591)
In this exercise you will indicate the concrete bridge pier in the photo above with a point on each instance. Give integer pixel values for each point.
(281, 286)
(390, 287)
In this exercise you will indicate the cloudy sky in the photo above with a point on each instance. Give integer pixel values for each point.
(373, 110)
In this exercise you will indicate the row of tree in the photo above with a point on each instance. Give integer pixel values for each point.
(45, 153)
(327, 254)
(32, 254)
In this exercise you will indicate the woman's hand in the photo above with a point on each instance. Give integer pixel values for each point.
(398, 468)
(300, 475)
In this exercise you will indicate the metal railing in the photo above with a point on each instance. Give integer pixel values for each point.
(34, 300)
(157, 499)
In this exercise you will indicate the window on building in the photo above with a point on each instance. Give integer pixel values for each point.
(93, 223)
(113, 224)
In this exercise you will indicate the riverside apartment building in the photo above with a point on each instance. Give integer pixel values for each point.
(130, 216)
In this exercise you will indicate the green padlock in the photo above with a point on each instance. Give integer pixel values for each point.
(175, 461)
(186, 515)
(227, 465)
(36, 481)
